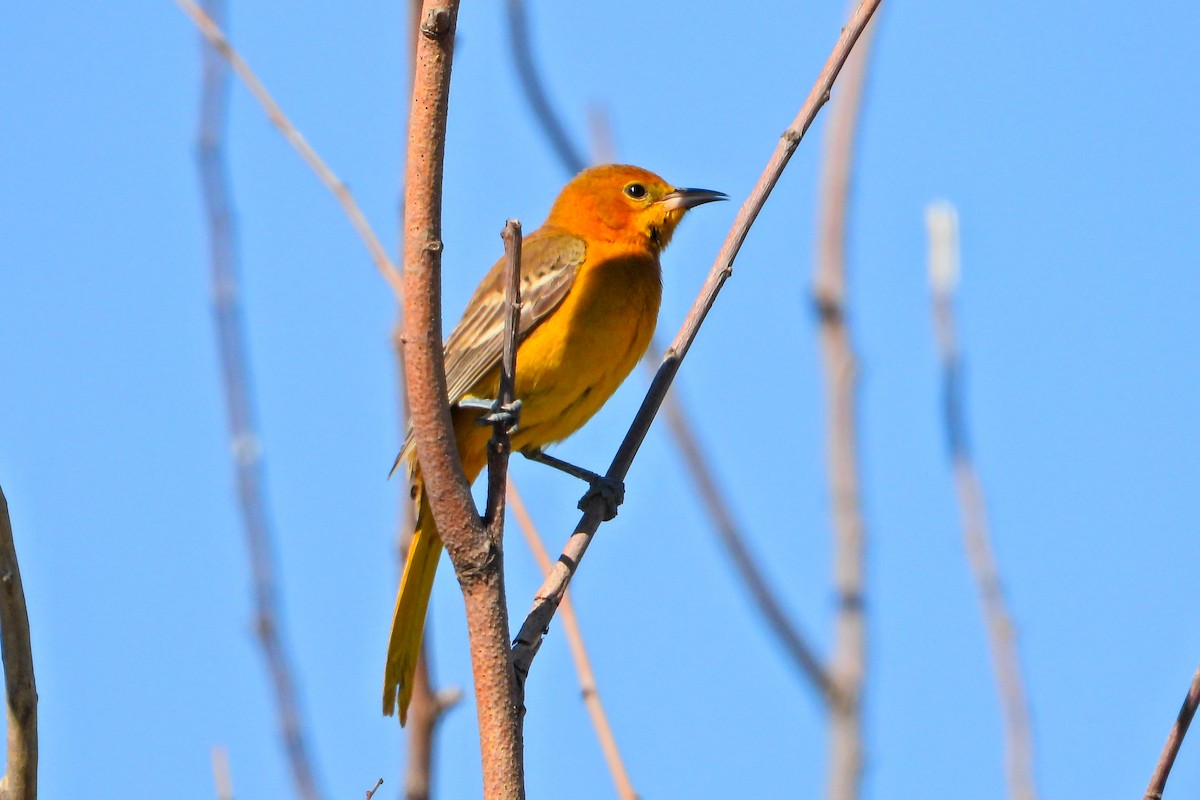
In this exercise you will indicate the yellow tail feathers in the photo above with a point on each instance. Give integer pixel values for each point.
(408, 621)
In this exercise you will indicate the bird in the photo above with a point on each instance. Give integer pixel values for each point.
(591, 286)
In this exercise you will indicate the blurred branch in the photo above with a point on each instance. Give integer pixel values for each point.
(212, 32)
(847, 668)
(20, 688)
(222, 779)
(477, 559)
(707, 487)
(546, 600)
(239, 406)
(531, 83)
(1158, 781)
(942, 221)
(710, 492)
(583, 664)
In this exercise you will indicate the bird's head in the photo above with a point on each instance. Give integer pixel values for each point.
(624, 205)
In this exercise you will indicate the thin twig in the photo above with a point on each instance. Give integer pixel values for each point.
(500, 446)
(711, 494)
(240, 408)
(583, 664)
(942, 221)
(371, 792)
(707, 487)
(476, 557)
(1158, 781)
(531, 82)
(212, 32)
(222, 779)
(847, 667)
(20, 688)
(549, 595)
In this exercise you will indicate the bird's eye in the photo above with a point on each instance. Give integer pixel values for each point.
(635, 190)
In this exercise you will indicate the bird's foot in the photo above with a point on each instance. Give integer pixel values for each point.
(611, 492)
(495, 413)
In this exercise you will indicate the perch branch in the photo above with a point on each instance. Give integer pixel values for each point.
(548, 596)
(20, 688)
(227, 317)
(942, 221)
(1158, 781)
(583, 664)
(476, 557)
(847, 668)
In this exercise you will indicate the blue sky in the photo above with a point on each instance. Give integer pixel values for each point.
(1065, 135)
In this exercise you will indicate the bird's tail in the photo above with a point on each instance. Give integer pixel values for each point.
(408, 621)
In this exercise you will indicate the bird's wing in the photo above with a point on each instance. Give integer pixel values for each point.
(549, 263)
(550, 260)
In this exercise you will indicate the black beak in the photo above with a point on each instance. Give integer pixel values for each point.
(683, 199)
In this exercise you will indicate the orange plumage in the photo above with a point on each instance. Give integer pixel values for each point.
(590, 290)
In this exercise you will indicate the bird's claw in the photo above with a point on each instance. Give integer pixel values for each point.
(609, 491)
(495, 413)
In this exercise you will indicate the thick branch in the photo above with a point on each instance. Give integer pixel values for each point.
(548, 596)
(20, 689)
(1158, 781)
(583, 664)
(847, 667)
(243, 434)
(477, 560)
(1002, 636)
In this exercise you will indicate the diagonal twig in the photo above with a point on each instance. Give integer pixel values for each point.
(942, 221)
(847, 667)
(217, 39)
(583, 664)
(1158, 781)
(20, 688)
(546, 600)
(240, 411)
(707, 487)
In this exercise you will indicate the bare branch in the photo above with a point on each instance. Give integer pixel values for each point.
(583, 664)
(548, 596)
(711, 494)
(943, 262)
(477, 559)
(212, 32)
(500, 446)
(1158, 781)
(243, 434)
(371, 792)
(20, 688)
(847, 668)
(222, 779)
(531, 82)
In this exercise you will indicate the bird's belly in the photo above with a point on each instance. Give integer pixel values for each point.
(570, 365)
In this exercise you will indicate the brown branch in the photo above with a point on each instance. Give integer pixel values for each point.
(500, 446)
(531, 83)
(239, 407)
(847, 667)
(1158, 781)
(549, 595)
(709, 490)
(212, 32)
(943, 267)
(20, 688)
(477, 558)
(371, 792)
(222, 779)
(583, 664)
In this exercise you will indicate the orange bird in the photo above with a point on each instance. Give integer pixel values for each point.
(590, 290)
